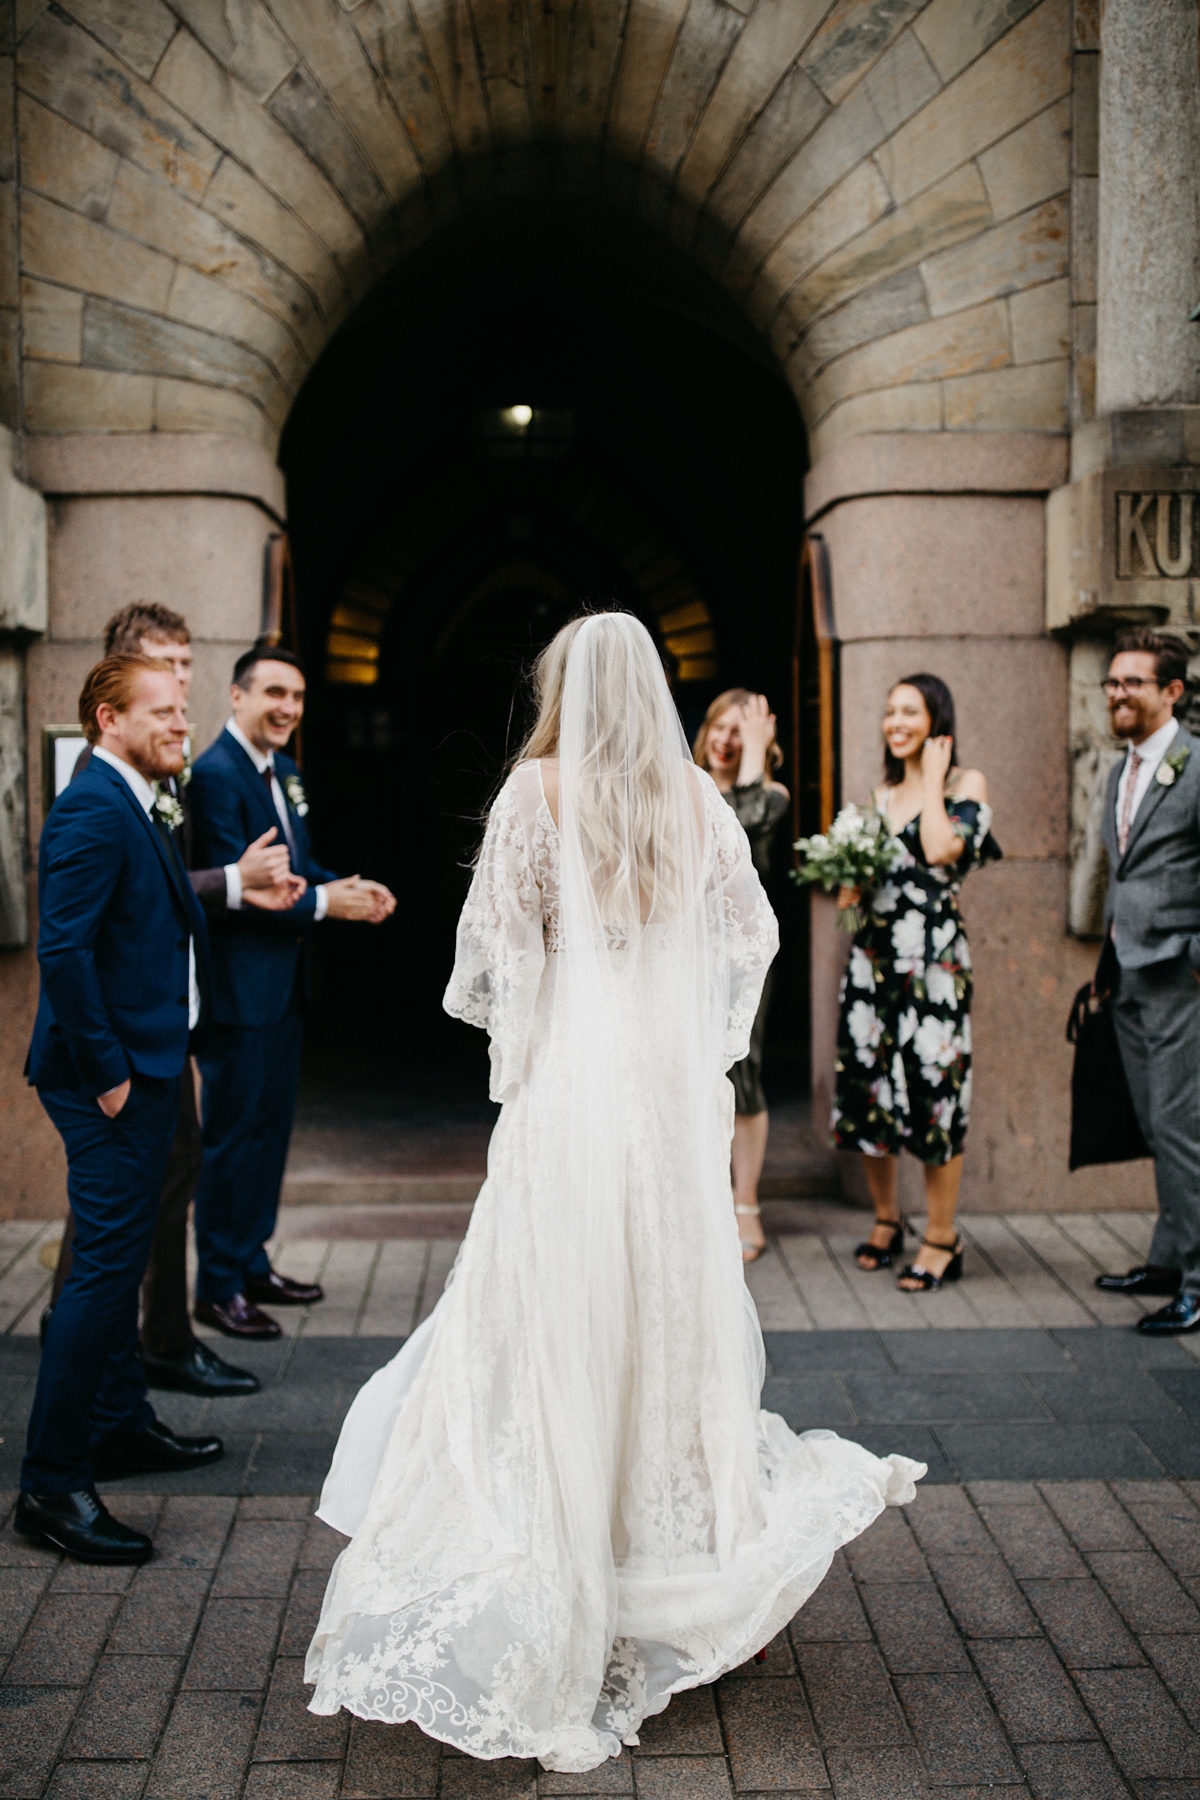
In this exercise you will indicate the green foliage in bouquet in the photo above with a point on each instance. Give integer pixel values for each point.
(857, 851)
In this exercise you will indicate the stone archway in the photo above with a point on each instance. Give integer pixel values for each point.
(205, 193)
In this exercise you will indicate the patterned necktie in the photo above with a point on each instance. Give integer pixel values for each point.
(1135, 763)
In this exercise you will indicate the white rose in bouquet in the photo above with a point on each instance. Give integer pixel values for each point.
(857, 851)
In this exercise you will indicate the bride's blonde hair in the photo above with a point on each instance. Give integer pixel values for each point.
(625, 790)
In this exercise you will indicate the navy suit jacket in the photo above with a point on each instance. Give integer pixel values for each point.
(116, 911)
(256, 956)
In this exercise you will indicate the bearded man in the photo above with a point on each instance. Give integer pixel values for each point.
(123, 955)
(1151, 962)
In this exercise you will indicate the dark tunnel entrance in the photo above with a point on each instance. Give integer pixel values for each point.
(544, 406)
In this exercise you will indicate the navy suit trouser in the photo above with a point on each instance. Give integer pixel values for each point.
(90, 1382)
(251, 1074)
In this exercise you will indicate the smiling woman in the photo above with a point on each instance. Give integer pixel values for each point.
(904, 1036)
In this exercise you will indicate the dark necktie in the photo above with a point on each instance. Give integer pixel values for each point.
(268, 776)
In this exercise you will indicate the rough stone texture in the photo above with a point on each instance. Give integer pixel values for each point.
(1147, 352)
(268, 152)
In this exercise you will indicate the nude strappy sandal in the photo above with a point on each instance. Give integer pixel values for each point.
(758, 1250)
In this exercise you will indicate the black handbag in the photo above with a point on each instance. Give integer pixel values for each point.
(1104, 1126)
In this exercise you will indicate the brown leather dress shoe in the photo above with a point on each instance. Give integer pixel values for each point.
(236, 1317)
(281, 1290)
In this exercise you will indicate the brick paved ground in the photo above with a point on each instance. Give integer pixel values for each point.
(1034, 1637)
(1004, 1638)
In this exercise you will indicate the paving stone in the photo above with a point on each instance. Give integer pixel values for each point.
(889, 1774)
(126, 1707)
(1174, 1531)
(389, 1762)
(91, 1578)
(913, 1629)
(1031, 1692)
(944, 1519)
(956, 1730)
(1091, 1517)
(1145, 1591)
(1053, 1452)
(979, 1351)
(811, 1352)
(1140, 1723)
(259, 1557)
(663, 1778)
(834, 1614)
(808, 1402)
(62, 1643)
(1004, 1493)
(235, 1644)
(464, 1778)
(288, 1730)
(1083, 1624)
(615, 1776)
(770, 1736)
(303, 1611)
(192, 1531)
(98, 1781)
(1071, 1772)
(206, 1747)
(934, 1398)
(1167, 1790)
(321, 1547)
(1106, 1397)
(688, 1727)
(916, 1441)
(1033, 1543)
(887, 1551)
(159, 1614)
(850, 1695)
(276, 1506)
(983, 1596)
(295, 1781)
(1177, 1660)
(20, 1591)
(33, 1724)
(18, 1553)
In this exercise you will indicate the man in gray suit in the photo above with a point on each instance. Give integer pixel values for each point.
(1151, 958)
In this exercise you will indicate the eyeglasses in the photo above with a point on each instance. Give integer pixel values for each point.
(1132, 684)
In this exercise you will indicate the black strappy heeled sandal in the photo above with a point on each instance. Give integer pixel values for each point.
(931, 1283)
(883, 1258)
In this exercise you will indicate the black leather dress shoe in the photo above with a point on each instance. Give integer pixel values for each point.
(198, 1370)
(154, 1451)
(281, 1290)
(1145, 1280)
(82, 1525)
(236, 1317)
(1180, 1315)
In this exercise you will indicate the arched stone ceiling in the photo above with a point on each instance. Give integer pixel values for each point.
(207, 187)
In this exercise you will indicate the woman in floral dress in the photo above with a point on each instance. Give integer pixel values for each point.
(904, 1029)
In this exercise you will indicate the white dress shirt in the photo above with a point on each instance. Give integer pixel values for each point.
(264, 760)
(144, 795)
(1151, 752)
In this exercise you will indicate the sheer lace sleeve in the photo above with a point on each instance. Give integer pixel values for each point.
(750, 937)
(499, 954)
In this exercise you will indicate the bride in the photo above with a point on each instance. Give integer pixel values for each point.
(563, 1501)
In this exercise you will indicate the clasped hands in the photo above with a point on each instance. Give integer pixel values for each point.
(268, 883)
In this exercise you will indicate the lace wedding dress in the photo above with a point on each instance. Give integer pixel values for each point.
(564, 1502)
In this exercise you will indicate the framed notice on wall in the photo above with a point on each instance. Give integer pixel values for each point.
(61, 748)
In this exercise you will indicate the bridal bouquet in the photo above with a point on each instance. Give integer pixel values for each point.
(857, 851)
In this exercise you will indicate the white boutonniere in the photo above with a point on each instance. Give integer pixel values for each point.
(169, 808)
(293, 787)
(1172, 765)
(185, 774)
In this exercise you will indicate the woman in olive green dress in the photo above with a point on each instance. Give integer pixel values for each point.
(736, 744)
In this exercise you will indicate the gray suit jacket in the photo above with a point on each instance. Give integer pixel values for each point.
(1153, 903)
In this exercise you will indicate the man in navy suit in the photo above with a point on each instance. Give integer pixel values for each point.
(251, 1064)
(122, 950)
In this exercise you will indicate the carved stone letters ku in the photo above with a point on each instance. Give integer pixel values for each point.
(1155, 536)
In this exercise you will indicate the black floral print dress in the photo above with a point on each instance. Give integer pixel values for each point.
(904, 1026)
